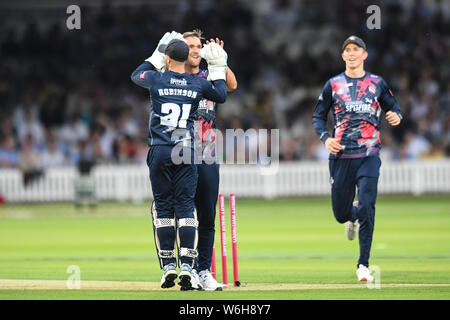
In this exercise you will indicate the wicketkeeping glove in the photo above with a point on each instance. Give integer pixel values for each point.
(216, 58)
(157, 58)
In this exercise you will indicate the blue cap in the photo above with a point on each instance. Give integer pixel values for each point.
(356, 40)
(176, 49)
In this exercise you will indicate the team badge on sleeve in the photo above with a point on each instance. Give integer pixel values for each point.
(142, 75)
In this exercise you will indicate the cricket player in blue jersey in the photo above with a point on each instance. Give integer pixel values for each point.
(357, 98)
(208, 170)
(175, 96)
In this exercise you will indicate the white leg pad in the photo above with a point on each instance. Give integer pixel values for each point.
(188, 252)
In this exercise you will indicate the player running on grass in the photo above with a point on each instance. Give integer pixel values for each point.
(175, 96)
(356, 98)
(208, 171)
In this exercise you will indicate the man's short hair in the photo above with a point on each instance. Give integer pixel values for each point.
(194, 33)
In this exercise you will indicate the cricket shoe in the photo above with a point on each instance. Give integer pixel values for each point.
(195, 281)
(363, 273)
(208, 282)
(169, 276)
(352, 228)
(185, 277)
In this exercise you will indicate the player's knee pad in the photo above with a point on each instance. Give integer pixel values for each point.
(187, 222)
(188, 252)
(166, 254)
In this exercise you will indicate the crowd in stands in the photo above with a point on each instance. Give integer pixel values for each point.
(66, 95)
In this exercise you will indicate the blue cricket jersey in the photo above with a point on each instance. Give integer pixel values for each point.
(356, 104)
(174, 101)
(205, 125)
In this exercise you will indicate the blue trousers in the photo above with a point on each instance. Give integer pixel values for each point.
(345, 176)
(173, 189)
(205, 203)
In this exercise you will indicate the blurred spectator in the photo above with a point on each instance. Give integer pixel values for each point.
(73, 131)
(419, 107)
(9, 157)
(124, 149)
(389, 150)
(415, 145)
(94, 145)
(86, 157)
(30, 161)
(76, 83)
(127, 124)
(85, 184)
(52, 156)
(435, 152)
(27, 105)
(31, 127)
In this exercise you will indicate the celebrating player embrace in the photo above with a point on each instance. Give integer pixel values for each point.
(356, 98)
(208, 170)
(175, 96)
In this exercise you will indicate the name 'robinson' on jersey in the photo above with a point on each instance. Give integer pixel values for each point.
(174, 101)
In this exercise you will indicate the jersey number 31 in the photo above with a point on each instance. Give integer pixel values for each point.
(173, 111)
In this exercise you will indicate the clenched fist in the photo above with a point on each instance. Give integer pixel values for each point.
(333, 146)
(392, 118)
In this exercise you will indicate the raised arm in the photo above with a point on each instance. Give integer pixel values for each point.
(215, 91)
(153, 65)
(231, 80)
(230, 77)
(144, 74)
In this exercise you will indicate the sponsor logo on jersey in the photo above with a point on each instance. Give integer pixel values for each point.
(206, 104)
(178, 82)
(358, 107)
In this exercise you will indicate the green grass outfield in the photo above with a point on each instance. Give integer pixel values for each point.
(288, 249)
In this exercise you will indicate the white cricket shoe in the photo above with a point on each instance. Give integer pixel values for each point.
(195, 281)
(185, 277)
(363, 273)
(351, 229)
(208, 282)
(169, 276)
